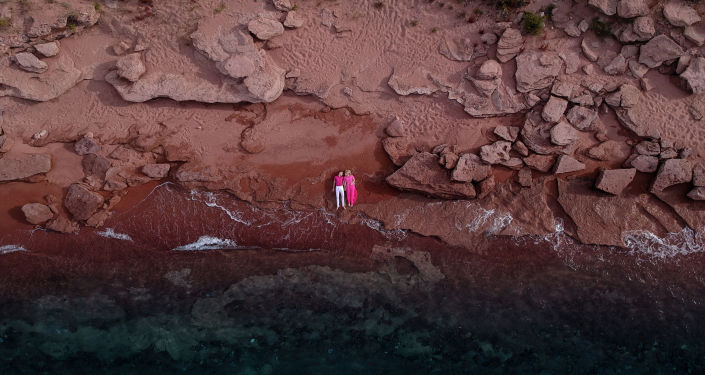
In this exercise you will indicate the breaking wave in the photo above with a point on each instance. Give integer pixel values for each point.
(682, 243)
(209, 243)
(110, 233)
(6, 249)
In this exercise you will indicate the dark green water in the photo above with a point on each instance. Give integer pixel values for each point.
(381, 303)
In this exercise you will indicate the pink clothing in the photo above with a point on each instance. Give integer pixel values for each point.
(338, 180)
(350, 190)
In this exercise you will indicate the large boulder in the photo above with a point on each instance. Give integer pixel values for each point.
(694, 75)
(554, 109)
(17, 167)
(423, 174)
(37, 213)
(496, 152)
(509, 44)
(399, 149)
(30, 63)
(632, 8)
(537, 70)
(614, 181)
(680, 14)
(672, 172)
(95, 165)
(659, 49)
(470, 169)
(131, 67)
(81, 202)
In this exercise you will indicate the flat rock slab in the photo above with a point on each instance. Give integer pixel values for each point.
(614, 181)
(423, 174)
(606, 220)
(22, 166)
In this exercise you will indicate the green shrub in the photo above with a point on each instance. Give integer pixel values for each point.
(5, 23)
(533, 23)
(379, 5)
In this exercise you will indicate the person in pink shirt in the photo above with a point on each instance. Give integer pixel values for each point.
(339, 188)
(350, 190)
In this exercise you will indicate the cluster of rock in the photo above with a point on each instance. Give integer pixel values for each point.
(46, 26)
(83, 202)
(249, 74)
(657, 49)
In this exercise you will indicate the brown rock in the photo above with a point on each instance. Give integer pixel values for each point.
(470, 169)
(513, 163)
(22, 166)
(524, 177)
(610, 150)
(507, 133)
(582, 118)
(131, 67)
(699, 175)
(81, 202)
(537, 70)
(659, 49)
(541, 163)
(648, 148)
(568, 164)
(265, 28)
(608, 7)
(251, 141)
(632, 8)
(672, 172)
(98, 219)
(86, 145)
(606, 220)
(520, 148)
(395, 128)
(62, 225)
(423, 174)
(95, 165)
(694, 75)
(496, 152)
(157, 171)
(554, 109)
(398, 149)
(679, 14)
(30, 63)
(614, 181)
(486, 186)
(643, 163)
(37, 213)
(563, 134)
(697, 194)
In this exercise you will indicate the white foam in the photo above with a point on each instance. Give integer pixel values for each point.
(209, 199)
(682, 243)
(395, 234)
(209, 243)
(6, 249)
(110, 233)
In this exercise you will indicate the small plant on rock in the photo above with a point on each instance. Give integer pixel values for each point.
(379, 5)
(533, 23)
(219, 8)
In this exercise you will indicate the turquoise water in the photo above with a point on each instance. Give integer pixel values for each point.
(122, 301)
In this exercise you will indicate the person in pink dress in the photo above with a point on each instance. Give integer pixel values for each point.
(338, 187)
(350, 190)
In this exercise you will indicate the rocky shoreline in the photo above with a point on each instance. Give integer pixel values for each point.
(594, 120)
